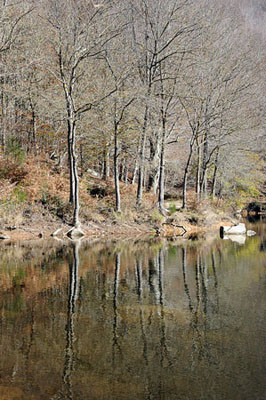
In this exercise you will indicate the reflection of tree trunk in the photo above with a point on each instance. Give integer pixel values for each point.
(70, 336)
(115, 295)
(142, 326)
(139, 277)
(215, 280)
(203, 270)
(163, 341)
(28, 349)
(184, 266)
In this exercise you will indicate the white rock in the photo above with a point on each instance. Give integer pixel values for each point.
(251, 233)
(238, 229)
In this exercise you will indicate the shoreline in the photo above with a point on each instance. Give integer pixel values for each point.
(32, 231)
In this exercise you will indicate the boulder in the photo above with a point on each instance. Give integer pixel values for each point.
(239, 229)
(251, 233)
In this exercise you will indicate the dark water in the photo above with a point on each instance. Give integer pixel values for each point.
(133, 320)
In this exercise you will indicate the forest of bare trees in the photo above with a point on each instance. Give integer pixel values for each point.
(164, 94)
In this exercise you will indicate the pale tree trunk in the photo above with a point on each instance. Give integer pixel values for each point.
(136, 165)
(3, 130)
(204, 167)
(204, 187)
(162, 169)
(184, 205)
(214, 179)
(153, 179)
(74, 177)
(125, 175)
(70, 160)
(116, 170)
(142, 158)
(135, 173)
(198, 170)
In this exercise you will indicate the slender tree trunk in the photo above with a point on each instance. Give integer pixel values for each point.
(116, 171)
(198, 171)
(162, 168)
(204, 187)
(135, 173)
(106, 163)
(33, 124)
(136, 164)
(125, 176)
(3, 112)
(184, 205)
(75, 178)
(214, 179)
(81, 159)
(70, 161)
(142, 158)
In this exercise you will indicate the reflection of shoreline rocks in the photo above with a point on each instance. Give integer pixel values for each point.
(236, 233)
(240, 239)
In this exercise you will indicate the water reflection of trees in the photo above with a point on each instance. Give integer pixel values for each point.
(73, 290)
(126, 318)
(200, 285)
(203, 306)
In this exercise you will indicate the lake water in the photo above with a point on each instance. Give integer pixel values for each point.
(133, 320)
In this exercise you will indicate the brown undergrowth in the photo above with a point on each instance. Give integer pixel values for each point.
(34, 202)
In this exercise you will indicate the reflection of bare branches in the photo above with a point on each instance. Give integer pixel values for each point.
(142, 327)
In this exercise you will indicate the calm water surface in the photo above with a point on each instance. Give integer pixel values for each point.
(133, 320)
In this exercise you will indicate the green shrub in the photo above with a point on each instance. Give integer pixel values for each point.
(172, 209)
(19, 195)
(15, 151)
(156, 216)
